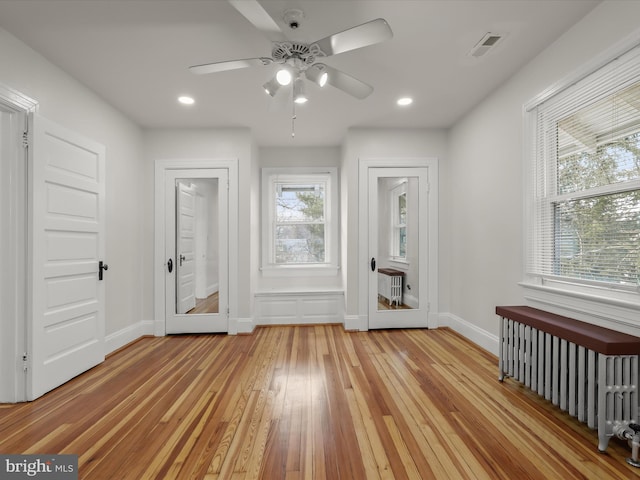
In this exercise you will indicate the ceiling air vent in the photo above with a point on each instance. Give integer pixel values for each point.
(487, 42)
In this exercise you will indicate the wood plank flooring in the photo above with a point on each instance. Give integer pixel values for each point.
(206, 305)
(308, 402)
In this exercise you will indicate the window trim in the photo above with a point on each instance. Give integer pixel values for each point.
(612, 307)
(395, 193)
(332, 225)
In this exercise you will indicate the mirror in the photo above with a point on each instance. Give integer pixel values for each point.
(196, 258)
(398, 243)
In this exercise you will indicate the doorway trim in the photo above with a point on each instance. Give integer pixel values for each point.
(161, 168)
(13, 321)
(364, 165)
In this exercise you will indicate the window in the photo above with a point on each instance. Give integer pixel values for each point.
(585, 181)
(399, 221)
(299, 219)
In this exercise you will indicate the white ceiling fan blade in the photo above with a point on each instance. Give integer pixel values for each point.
(369, 33)
(346, 83)
(259, 18)
(230, 65)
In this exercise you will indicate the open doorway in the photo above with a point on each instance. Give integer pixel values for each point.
(13, 254)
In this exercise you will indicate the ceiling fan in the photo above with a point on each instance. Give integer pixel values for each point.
(299, 60)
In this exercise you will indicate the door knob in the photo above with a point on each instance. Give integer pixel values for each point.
(170, 265)
(101, 268)
(373, 264)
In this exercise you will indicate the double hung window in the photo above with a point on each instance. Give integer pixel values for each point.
(584, 192)
(299, 219)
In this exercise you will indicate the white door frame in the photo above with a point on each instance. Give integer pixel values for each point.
(363, 232)
(176, 322)
(13, 297)
(416, 317)
(161, 167)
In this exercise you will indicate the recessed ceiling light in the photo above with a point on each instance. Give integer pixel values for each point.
(404, 101)
(186, 100)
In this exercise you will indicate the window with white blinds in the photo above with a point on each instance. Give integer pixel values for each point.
(585, 175)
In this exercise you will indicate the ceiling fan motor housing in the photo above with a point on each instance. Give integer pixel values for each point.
(283, 51)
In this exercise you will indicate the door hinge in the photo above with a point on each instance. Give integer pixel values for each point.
(25, 361)
(25, 139)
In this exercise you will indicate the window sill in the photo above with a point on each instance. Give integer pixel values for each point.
(612, 309)
(301, 271)
(401, 264)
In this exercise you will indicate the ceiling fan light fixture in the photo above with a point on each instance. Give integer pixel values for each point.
(317, 74)
(272, 87)
(323, 79)
(299, 94)
(284, 76)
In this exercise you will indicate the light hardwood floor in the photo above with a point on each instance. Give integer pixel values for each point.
(308, 402)
(206, 305)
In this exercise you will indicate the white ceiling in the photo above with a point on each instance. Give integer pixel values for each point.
(135, 54)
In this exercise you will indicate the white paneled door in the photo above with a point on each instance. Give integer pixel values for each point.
(185, 246)
(67, 247)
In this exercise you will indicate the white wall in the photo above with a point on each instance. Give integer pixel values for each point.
(381, 143)
(485, 177)
(67, 102)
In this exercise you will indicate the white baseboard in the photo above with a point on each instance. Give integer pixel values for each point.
(239, 326)
(484, 339)
(211, 289)
(410, 300)
(355, 323)
(119, 339)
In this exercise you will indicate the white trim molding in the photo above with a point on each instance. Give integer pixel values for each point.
(356, 323)
(161, 167)
(123, 337)
(299, 307)
(487, 340)
(241, 326)
(18, 110)
(364, 164)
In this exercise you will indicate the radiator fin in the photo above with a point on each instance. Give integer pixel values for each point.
(599, 390)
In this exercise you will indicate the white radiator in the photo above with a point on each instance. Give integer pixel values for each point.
(599, 390)
(390, 287)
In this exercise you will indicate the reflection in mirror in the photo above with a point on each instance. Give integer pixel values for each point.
(398, 243)
(197, 262)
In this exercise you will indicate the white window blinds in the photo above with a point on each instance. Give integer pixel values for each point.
(586, 179)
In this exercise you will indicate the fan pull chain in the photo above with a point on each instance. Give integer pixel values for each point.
(293, 120)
